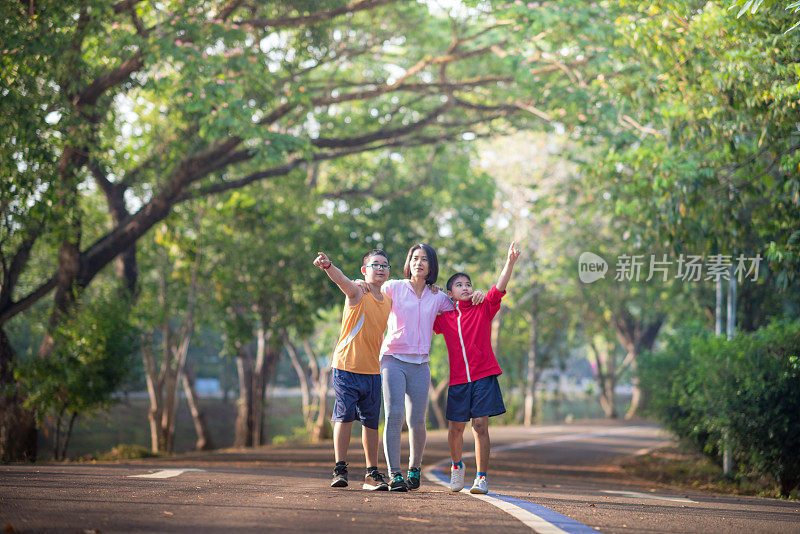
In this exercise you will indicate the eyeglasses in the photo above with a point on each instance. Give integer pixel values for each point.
(379, 266)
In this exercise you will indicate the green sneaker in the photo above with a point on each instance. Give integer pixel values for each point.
(413, 478)
(397, 483)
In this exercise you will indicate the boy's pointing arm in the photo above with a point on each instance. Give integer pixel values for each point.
(350, 289)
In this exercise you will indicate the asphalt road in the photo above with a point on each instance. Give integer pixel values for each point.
(548, 479)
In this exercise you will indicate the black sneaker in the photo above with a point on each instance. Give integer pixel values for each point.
(374, 481)
(397, 483)
(413, 478)
(339, 476)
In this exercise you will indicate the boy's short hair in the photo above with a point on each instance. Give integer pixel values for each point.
(433, 263)
(453, 279)
(373, 252)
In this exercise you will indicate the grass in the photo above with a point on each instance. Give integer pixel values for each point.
(126, 425)
(128, 452)
(687, 469)
(124, 429)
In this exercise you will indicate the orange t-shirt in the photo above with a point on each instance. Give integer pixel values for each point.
(359, 345)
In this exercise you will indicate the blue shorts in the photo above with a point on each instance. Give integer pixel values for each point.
(474, 399)
(356, 394)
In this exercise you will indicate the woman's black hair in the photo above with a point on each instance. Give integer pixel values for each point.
(453, 279)
(373, 252)
(433, 263)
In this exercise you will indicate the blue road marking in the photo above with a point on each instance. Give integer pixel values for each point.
(551, 516)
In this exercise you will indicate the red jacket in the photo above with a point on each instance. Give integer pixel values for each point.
(467, 332)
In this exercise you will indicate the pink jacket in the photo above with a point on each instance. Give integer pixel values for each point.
(410, 326)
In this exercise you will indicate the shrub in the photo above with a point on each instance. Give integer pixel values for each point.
(709, 391)
(92, 355)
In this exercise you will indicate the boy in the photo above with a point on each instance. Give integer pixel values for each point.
(474, 392)
(356, 367)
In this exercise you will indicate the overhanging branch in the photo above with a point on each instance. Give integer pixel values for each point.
(289, 22)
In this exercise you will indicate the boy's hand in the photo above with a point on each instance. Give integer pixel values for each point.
(513, 253)
(322, 261)
(478, 296)
(434, 288)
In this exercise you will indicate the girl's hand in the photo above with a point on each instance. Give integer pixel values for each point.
(478, 296)
(363, 285)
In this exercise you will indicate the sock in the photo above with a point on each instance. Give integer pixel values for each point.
(480, 474)
(371, 469)
(459, 464)
(342, 463)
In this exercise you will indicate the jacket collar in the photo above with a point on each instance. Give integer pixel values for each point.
(463, 304)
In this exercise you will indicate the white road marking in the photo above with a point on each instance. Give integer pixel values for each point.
(637, 495)
(528, 518)
(165, 473)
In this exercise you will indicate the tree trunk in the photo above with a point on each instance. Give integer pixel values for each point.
(68, 435)
(322, 426)
(163, 385)
(605, 375)
(154, 392)
(438, 399)
(320, 376)
(18, 434)
(259, 387)
(635, 336)
(57, 434)
(268, 373)
(171, 375)
(253, 379)
(636, 397)
(302, 377)
(204, 442)
(244, 417)
(531, 371)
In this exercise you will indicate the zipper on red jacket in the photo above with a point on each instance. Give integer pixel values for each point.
(461, 340)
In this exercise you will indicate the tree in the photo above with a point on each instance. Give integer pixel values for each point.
(313, 377)
(159, 104)
(171, 289)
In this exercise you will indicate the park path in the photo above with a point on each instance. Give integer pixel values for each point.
(548, 479)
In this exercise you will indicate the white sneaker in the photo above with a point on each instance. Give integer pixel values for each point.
(456, 478)
(479, 486)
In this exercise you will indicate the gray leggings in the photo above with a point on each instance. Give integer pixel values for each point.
(405, 385)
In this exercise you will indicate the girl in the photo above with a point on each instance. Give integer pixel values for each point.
(405, 373)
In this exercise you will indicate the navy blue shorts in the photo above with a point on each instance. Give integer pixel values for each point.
(356, 395)
(474, 399)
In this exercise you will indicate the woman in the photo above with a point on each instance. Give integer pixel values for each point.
(405, 373)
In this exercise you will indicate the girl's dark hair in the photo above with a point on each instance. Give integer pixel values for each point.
(433, 263)
(373, 252)
(453, 279)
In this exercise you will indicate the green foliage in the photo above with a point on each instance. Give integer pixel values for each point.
(93, 355)
(753, 6)
(743, 392)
